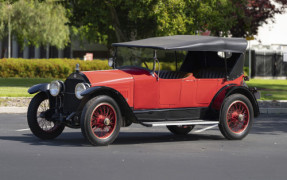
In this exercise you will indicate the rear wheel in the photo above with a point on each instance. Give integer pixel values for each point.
(180, 130)
(40, 125)
(236, 117)
(101, 120)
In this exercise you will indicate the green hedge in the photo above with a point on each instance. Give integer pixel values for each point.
(54, 68)
(57, 68)
(46, 68)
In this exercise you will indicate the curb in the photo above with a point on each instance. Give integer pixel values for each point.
(273, 110)
(272, 104)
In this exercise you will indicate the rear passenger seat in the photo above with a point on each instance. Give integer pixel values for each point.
(210, 73)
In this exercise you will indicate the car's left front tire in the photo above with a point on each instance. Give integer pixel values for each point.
(101, 120)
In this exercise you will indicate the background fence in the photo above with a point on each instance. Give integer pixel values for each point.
(267, 63)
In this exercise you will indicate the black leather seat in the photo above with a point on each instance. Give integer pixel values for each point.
(210, 73)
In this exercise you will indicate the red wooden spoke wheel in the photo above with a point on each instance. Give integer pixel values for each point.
(103, 120)
(237, 116)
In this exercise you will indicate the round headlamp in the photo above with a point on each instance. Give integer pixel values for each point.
(55, 88)
(80, 87)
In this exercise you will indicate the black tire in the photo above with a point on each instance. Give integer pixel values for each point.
(236, 117)
(180, 130)
(101, 120)
(41, 127)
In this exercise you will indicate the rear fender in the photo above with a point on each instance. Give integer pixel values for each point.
(219, 97)
(249, 94)
(228, 90)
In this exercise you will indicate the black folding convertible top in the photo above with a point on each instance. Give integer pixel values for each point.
(189, 43)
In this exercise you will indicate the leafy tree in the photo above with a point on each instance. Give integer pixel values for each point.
(3, 18)
(108, 21)
(212, 15)
(37, 23)
(251, 14)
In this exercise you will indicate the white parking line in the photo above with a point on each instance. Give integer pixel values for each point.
(20, 130)
(204, 129)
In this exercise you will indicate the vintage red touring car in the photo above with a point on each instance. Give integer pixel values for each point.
(173, 81)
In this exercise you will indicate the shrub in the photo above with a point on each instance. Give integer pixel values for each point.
(54, 68)
(46, 68)
(59, 68)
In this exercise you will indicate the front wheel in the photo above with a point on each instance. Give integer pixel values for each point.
(41, 126)
(101, 120)
(236, 117)
(180, 130)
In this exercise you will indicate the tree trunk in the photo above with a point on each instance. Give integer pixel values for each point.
(116, 23)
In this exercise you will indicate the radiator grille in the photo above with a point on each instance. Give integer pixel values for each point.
(71, 102)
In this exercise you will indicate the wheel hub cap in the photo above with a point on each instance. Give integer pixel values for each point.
(240, 117)
(107, 121)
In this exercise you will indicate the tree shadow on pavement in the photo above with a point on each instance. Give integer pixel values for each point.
(264, 125)
(161, 137)
(66, 139)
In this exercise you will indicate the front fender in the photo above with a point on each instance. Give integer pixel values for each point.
(92, 91)
(126, 110)
(39, 88)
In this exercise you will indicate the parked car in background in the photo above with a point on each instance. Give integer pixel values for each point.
(205, 87)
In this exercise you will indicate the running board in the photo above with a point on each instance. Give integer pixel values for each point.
(178, 123)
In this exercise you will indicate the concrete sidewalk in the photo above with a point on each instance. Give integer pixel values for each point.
(266, 107)
(13, 110)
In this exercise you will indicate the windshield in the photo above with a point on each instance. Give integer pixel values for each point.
(139, 57)
(144, 58)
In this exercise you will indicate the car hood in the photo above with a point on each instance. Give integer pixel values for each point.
(106, 77)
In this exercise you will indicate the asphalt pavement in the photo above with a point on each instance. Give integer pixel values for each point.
(145, 153)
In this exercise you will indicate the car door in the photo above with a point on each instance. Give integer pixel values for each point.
(146, 91)
(205, 91)
(169, 92)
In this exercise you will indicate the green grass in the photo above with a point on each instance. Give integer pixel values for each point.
(270, 89)
(18, 87)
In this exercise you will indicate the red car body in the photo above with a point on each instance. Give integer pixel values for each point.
(140, 88)
(208, 88)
